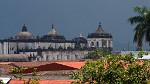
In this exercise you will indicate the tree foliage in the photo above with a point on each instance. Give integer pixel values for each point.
(19, 71)
(97, 53)
(142, 29)
(114, 70)
(18, 74)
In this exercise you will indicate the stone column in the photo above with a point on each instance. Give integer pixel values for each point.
(100, 43)
(5, 48)
(111, 45)
(1, 47)
(89, 44)
(107, 44)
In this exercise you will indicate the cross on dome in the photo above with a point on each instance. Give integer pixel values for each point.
(52, 31)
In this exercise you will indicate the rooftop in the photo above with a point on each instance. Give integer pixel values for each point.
(44, 68)
(43, 81)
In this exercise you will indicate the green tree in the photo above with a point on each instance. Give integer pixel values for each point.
(18, 74)
(114, 70)
(97, 54)
(142, 29)
(19, 71)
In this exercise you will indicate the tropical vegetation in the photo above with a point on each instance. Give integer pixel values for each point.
(142, 28)
(121, 69)
(97, 54)
(18, 75)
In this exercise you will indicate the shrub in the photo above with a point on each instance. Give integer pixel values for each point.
(19, 71)
(97, 53)
(18, 74)
(114, 70)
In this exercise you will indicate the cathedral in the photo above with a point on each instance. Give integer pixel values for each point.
(53, 46)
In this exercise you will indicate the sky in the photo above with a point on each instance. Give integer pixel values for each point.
(70, 17)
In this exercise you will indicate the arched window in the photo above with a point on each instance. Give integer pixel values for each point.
(57, 57)
(47, 58)
(60, 47)
(38, 58)
(68, 57)
(104, 43)
(50, 47)
(30, 55)
(97, 44)
(76, 56)
(92, 44)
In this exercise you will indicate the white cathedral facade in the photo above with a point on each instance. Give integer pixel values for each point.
(53, 46)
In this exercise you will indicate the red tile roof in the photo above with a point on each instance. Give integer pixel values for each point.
(36, 64)
(49, 66)
(76, 65)
(5, 68)
(30, 64)
(43, 81)
(42, 66)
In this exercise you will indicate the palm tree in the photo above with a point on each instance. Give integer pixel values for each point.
(142, 29)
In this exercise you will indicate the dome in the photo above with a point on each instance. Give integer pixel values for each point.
(99, 33)
(53, 36)
(52, 31)
(24, 34)
(80, 39)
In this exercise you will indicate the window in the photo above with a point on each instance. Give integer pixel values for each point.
(97, 44)
(47, 58)
(68, 57)
(92, 44)
(57, 57)
(104, 43)
(76, 56)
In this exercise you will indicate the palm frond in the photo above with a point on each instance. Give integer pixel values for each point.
(142, 30)
(141, 10)
(139, 34)
(135, 19)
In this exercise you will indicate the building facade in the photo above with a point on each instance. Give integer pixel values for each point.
(100, 39)
(54, 46)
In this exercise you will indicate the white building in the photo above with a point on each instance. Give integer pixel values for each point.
(100, 39)
(54, 46)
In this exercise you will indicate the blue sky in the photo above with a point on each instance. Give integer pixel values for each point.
(70, 17)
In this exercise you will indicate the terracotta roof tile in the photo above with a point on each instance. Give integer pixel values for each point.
(77, 65)
(43, 66)
(5, 68)
(16, 82)
(57, 72)
(30, 64)
(44, 81)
